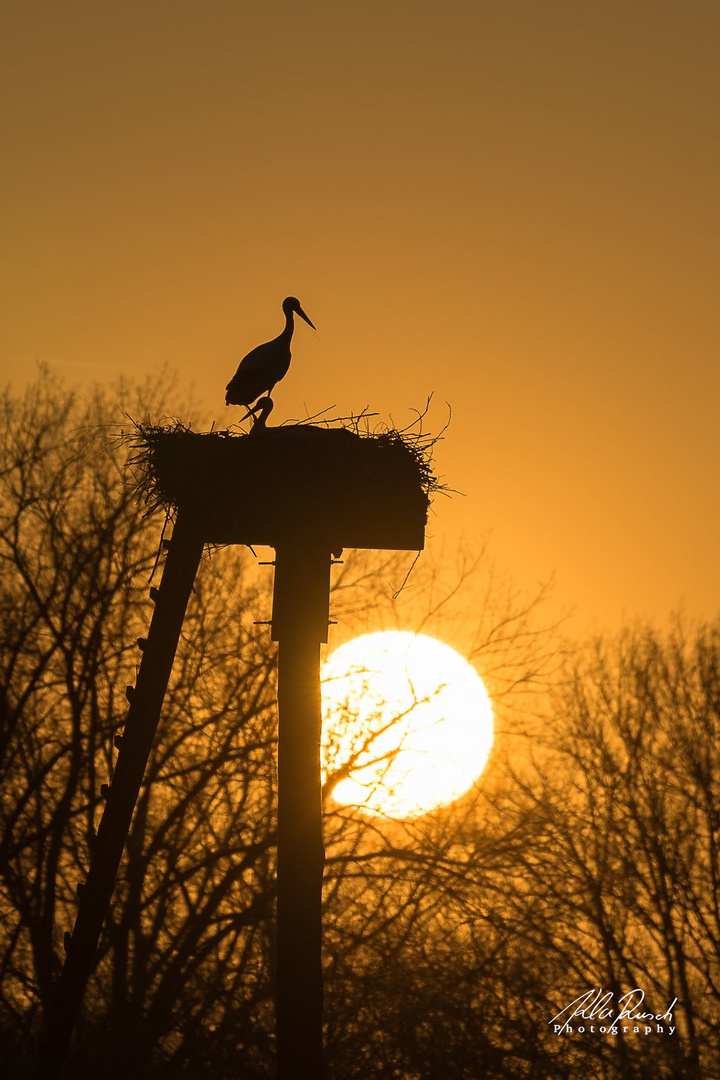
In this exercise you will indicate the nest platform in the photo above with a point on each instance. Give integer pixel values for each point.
(334, 486)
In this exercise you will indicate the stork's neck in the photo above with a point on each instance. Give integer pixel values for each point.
(289, 326)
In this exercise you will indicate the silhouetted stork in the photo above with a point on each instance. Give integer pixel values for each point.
(260, 412)
(267, 364)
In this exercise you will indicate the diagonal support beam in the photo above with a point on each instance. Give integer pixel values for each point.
(141, 724)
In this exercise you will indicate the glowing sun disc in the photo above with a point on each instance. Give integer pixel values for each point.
(407, 718)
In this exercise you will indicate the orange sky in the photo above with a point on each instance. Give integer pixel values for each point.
(512, 204)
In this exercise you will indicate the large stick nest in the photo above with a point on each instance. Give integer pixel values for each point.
(350, 487)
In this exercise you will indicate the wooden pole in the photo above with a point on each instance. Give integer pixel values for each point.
(300, 622)
(145, 703)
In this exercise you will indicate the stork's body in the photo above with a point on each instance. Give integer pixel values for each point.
(267, 364)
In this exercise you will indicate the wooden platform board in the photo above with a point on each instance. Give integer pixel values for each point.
(331, 485)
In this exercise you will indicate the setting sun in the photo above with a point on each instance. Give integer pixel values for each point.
(406, 721)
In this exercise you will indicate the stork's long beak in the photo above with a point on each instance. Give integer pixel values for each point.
(250, 412)
(302, 315)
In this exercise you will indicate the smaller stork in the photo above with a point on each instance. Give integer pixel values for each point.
(260, 412)
(267, 364)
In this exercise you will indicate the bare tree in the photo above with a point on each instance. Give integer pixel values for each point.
(625, 860)
(444, 904)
